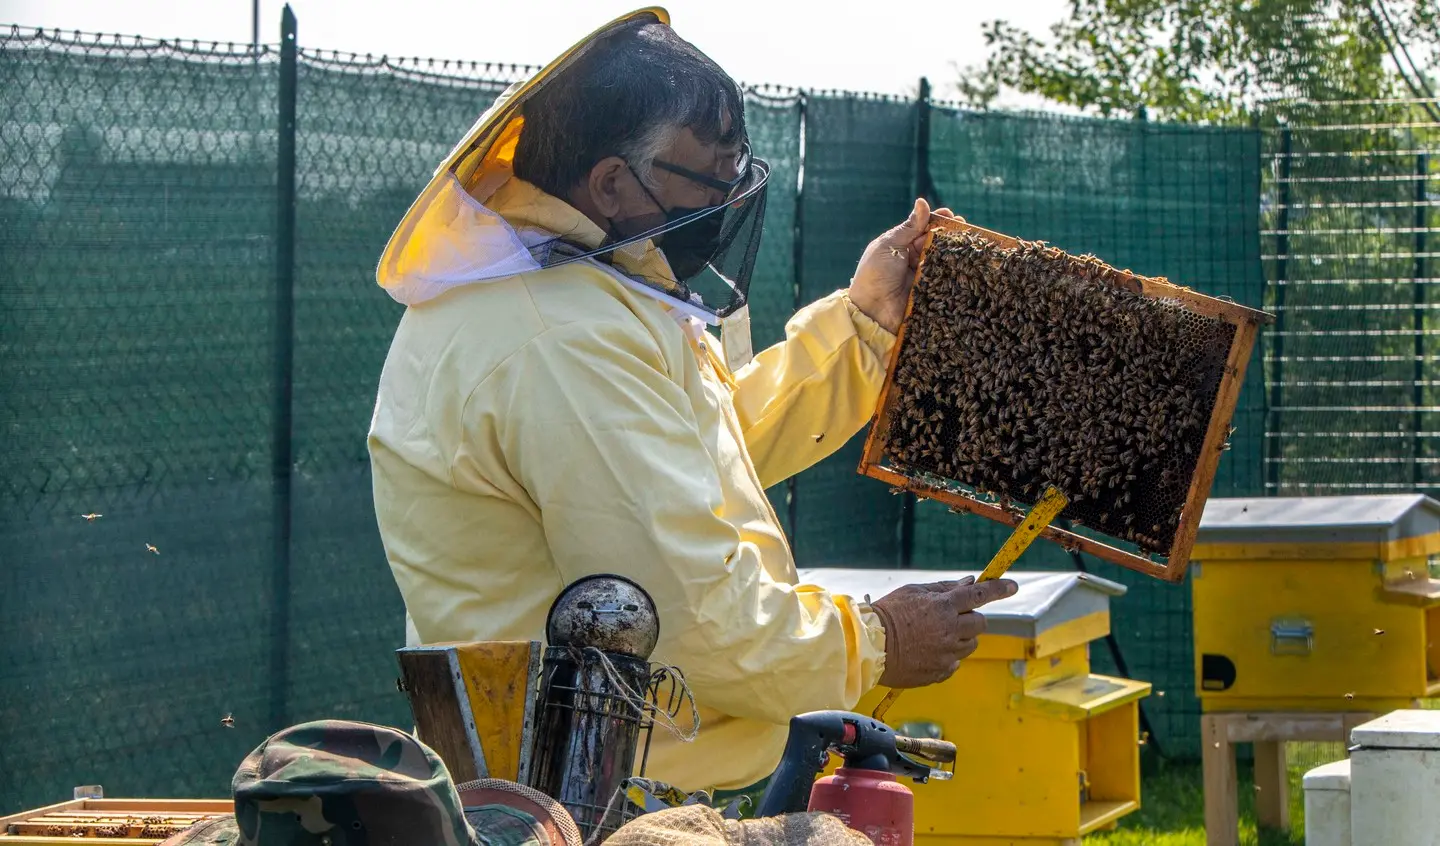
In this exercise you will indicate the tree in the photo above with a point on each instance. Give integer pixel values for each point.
(1212, 60)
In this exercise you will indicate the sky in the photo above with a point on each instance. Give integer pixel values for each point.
(859, 46)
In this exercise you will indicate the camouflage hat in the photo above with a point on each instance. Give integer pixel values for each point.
(338, 783)
(218, 831)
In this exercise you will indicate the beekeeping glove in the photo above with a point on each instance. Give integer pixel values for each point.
(931, 628)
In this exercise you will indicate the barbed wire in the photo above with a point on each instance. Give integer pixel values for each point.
(14, 36)
(438, 70)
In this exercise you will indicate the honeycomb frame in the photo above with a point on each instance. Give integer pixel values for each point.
(1169, 565)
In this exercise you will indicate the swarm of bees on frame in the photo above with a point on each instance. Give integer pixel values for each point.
(159, 827)
(120, 830)
(1026, 367)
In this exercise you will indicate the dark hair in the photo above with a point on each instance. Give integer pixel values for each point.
(626, 97)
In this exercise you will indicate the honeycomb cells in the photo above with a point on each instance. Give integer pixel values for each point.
(1026, 367)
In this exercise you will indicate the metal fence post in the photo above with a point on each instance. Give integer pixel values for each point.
(1277, 364)
(1422, 220)
(284, 346)
(924, 187)
(797, 288)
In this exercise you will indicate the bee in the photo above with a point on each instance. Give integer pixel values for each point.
(818, 438)
(151, 548)
(228, 721)
(91, 518)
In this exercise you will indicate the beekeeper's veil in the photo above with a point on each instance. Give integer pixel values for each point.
(449, 238)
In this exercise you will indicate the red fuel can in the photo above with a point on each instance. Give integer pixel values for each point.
(873, 802)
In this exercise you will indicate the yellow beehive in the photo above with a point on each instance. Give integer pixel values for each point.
(1317, 603)
(1048, 750)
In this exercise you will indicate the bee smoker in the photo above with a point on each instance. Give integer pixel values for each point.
(597, 700)
(864, 793)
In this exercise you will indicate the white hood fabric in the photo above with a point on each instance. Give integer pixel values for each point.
(456, 240)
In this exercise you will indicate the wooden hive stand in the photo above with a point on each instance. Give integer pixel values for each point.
(1269, 732)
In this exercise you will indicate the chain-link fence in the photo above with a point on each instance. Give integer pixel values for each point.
(186, 378)
(1353, 249)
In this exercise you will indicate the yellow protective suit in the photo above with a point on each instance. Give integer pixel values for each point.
(534, 426)
(542, 427)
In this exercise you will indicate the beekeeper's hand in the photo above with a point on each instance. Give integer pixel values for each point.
(930, 628)
(882, 281)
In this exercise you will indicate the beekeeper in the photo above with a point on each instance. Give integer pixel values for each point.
(553, 405)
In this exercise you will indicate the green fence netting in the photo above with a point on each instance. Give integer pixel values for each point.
(774, 121)
(859, 180)
(136, 265)
(140, 370)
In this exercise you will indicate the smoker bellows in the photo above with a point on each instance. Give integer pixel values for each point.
(1020, 367)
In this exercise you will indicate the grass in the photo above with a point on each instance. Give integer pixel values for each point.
(1172, 809)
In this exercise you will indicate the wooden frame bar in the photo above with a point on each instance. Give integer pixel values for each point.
(29, 827)
(1247, 324)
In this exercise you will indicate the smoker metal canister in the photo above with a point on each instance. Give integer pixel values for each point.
(590, 721)
(589, 735)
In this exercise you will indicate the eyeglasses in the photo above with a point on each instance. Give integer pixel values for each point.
(729, 188)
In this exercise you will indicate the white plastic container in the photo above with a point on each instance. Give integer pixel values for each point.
(1395, 780)
(1327, 805)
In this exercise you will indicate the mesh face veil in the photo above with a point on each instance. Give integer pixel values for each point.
(449, 237)
(716, 284)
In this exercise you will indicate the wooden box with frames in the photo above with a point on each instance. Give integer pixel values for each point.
(123, 822)
(1018, 367)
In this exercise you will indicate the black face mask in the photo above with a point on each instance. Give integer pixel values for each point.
(688, 248)
(691, 247)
